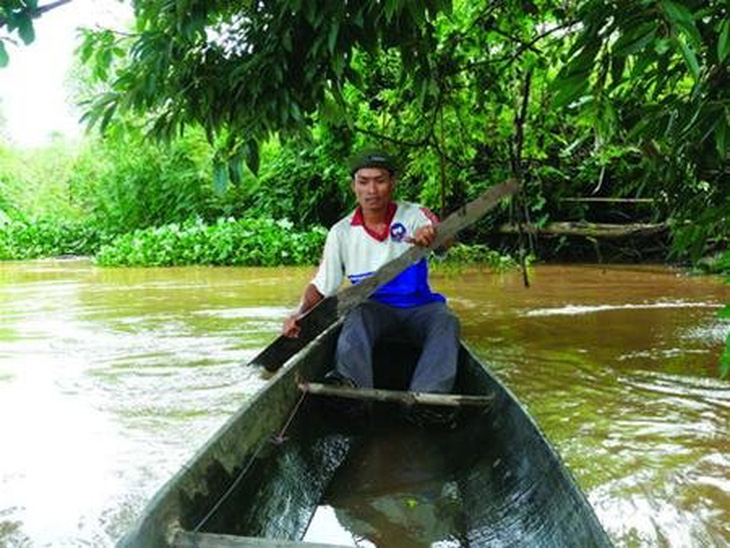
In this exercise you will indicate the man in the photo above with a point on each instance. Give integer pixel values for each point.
(379, 230)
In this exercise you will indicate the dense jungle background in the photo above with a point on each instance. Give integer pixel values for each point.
(220, 120)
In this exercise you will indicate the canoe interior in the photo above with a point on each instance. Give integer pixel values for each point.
(491, 481)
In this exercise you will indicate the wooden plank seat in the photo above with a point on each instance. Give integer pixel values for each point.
(187, 539)
(397, 396)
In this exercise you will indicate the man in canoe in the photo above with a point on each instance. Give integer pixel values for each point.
(377, 231)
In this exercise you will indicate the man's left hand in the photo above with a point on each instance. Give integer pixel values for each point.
(423, 236)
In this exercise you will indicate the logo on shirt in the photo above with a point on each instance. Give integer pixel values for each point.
(398, 232)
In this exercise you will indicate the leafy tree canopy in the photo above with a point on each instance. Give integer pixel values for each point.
(247, 69)
(16, 17)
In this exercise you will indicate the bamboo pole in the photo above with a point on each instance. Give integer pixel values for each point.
(396, 396)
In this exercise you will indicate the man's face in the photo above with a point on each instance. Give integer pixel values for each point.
(373, 187)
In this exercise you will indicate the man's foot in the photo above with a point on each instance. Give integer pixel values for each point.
(350, 410)
(335, 378)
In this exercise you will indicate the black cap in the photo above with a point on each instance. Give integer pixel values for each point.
(371, 157)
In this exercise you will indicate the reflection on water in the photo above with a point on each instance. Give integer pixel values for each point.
(396, 490)
(111, 378)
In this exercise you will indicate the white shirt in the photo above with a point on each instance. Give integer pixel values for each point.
(355, 252)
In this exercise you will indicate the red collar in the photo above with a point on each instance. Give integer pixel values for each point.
(358, 220)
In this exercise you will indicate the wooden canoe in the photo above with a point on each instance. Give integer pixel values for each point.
(505, 484)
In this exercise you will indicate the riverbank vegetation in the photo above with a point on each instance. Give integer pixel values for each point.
(247, 242)
(608, 116)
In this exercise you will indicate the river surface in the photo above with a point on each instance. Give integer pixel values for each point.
(111, 378)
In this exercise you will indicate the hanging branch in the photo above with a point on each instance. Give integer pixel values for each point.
(509, 58)
(516, 154)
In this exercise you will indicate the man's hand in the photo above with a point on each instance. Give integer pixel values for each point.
(291, 327)
(310, 298)
(423, 236)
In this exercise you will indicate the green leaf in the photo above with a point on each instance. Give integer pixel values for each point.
(689, 57)
(235, 169)
(635, 39)
(582, 63)
(25, 30)
(4, 58)
(662, 46)
(220, 177)
(723, 44)
(682, 17)
(331, 111)
(107, 117)
(569, 89)
(287, 41)
(332, 38)
(677, 12)
(358, 18)
(253, 161)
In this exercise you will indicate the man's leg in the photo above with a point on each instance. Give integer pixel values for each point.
(361, 329)
(438, 330)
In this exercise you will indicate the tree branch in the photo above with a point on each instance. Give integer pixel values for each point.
(40, 10)
(511, 57)
(414, 144)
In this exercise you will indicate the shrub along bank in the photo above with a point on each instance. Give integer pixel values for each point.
(21, 240)
(244, 242)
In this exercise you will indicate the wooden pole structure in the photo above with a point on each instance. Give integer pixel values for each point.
(396, 396)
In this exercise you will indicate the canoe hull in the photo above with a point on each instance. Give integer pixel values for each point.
(512, 485)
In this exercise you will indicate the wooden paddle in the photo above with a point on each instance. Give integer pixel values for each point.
(332, 308)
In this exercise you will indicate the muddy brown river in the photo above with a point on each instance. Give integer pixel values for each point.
(111, 378)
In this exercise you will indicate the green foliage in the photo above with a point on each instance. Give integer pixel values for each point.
(35, 183)
(49, 238)
(725, 358)
(17, 17)
(243, 70)
(654, 75)
(460, 255)
(625, 100)
(246, 242)
(304, 182)
(124, 182)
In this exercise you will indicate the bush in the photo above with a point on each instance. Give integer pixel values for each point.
(246, 242)
(20, 240)
(460, 255)
(124, 183)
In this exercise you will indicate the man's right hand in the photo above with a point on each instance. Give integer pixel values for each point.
(291, 327)
(310, 298)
